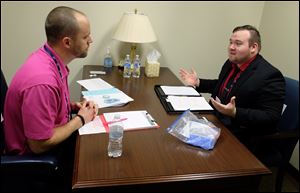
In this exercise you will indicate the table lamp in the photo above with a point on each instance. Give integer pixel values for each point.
(134, 28)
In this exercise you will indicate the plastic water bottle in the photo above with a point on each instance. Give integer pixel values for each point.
(127, 67)
(136, 67)
(107, 59)
(116, 130)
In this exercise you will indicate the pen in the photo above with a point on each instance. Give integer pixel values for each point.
(97, 72)
(115, 121)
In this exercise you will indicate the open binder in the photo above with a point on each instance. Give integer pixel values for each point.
(175, 101)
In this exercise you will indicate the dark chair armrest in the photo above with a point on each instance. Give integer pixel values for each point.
(261, 142)
(30, 173)
(29, 164)
(278, 135)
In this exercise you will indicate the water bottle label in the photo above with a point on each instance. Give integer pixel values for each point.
(115, 140)
(127, 70)
(136, 70)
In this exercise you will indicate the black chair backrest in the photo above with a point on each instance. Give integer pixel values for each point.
(290, 118)
(288, 127)
(3, 95)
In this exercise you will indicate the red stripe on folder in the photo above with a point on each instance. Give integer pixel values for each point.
(104, 122)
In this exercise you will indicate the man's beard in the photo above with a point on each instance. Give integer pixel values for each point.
(80, 53)
(237, 60)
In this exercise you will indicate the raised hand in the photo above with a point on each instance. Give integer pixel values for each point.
(228, 109)
(189, 78)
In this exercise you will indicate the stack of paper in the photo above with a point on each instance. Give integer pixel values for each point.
(107, 97)
(103, 94)
(177, 99)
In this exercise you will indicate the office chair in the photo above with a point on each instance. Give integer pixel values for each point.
(275, 150)
(24, 173)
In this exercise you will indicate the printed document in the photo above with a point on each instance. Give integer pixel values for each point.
(180, 90)
(102, 93)
(107, 97)
(182, 103)
(94, 84)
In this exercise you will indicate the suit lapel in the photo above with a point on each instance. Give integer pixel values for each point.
(226, 69)
(244, 76)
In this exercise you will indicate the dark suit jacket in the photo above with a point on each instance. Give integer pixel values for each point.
(259, 92)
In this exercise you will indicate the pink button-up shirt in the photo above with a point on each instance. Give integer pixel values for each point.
(37, 101)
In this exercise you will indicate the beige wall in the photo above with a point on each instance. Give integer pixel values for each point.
(190, 34)
(279, 29)
(193, 34)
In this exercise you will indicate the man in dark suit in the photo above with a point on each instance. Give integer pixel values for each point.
(249, 92)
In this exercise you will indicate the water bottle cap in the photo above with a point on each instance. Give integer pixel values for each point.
(117, 116)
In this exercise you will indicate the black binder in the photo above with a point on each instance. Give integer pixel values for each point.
(168, 106)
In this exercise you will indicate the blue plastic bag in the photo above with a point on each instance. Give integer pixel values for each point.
(194, 131)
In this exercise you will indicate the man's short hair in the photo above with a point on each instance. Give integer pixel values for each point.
(61, 22)
(254, 34)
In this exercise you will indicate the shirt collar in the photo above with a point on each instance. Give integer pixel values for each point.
(246, 64)
(64, 68)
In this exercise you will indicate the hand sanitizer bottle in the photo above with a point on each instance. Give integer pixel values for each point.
(107, 59)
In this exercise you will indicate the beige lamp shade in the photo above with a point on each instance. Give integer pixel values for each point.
(135, 28)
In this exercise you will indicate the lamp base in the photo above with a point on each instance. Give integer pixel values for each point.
(132, 52)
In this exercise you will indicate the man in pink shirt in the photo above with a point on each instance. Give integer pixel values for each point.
(37, 107)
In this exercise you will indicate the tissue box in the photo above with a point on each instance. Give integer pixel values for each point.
(152, 69)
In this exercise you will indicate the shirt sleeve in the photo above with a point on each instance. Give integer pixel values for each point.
(39, 111)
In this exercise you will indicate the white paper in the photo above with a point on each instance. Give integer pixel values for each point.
(94, 84)
(135, 119)
(182, 103)
(116, 99)
(92, 127)
(107, 97)
(180, 90)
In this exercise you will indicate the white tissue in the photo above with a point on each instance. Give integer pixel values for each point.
(153, 56)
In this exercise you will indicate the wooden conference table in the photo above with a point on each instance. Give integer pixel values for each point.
(152, 159)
